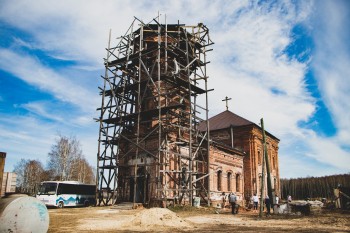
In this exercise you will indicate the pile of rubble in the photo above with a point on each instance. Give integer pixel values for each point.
(300, 207)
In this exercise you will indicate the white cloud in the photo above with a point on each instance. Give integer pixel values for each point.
(30, 138)
(71, 30)
(331, 64)
(257, 66)
(59, 114)
(302, 166)
(30, 70)
(248, 63)
(24, 137)
(21, 43)
(249, 58)
(329, 151)
(41, 109)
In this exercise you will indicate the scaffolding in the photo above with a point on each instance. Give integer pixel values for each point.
(150, 150)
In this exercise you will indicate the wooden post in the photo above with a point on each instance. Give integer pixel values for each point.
(270, 192)
(262, 178)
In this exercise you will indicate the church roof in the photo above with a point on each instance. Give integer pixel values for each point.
(224, 120)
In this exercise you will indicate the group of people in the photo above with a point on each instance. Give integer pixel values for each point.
(255, 199)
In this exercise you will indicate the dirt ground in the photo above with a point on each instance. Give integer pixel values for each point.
(115, 219)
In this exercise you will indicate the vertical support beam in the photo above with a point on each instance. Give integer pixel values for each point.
(160, 163)
(262, 178)
(166, 46)
(138, 110)
(166, 151)
(190, 163)
(99, 191)
(270, 192)
(208, 130)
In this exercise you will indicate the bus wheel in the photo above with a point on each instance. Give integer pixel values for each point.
(86, 204)
(60, 204)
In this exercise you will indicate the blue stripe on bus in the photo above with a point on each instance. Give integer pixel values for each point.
(76, 200)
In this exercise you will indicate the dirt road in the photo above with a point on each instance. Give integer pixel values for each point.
(114, 219)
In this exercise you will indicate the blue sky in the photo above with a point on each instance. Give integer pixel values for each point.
(285, 61)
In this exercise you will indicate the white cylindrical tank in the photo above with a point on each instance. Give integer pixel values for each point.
(21, 213)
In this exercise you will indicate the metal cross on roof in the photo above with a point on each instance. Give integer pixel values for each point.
(226, 99)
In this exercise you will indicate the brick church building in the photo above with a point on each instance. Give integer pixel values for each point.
(153, 139)
(236, 157)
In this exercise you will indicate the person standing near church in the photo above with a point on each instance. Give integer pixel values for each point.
(268, 205)
(223, 199)
(233, 200)
(255, 202)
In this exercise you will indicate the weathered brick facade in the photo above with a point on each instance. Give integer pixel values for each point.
(240, 134)
(226, 172)
(236, 154)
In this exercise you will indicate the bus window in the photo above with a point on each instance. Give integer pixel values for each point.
(66, 189)
(47, 189)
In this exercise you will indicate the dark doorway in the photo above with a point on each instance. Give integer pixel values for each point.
(141, 186)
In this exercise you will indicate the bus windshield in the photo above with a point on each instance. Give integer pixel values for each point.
(47, 189)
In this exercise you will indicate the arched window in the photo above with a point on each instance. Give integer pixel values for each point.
(219, 180)
(238, 182)
(259, 157)
(260, 181)
(229, 178)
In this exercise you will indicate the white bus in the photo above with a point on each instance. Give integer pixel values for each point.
(66, 193)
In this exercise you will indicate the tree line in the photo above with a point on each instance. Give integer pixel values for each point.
(65, 162)
(313, 187)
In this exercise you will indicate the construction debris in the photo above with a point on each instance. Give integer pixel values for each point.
(300, 207)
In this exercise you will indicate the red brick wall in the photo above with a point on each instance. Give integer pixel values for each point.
(249, 139)
(247, 167)
(229, 167)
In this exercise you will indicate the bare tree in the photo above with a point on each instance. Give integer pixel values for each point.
(83, 172)
(19, 169)
(34, 175)
(62, 156)
(29, 175)
(67, 162)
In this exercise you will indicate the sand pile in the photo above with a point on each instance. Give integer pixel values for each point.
(141, 220)
(162, 217)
